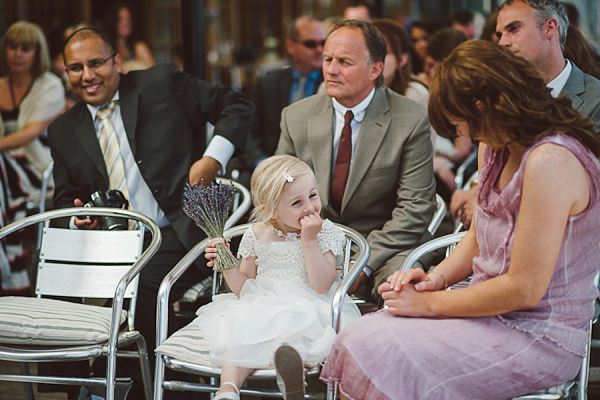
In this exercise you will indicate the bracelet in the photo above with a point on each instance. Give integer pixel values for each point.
(440, 274)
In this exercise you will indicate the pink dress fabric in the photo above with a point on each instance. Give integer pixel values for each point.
(380, 356)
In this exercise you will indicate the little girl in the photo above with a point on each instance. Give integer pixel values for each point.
(283, 288)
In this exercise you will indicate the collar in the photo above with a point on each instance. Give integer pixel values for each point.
(310, 77)
(94, 109)
(358, 110)
(557, 84)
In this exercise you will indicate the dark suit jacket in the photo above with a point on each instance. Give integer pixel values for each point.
(390, 193)
(584, 92)
(164, 112)
(270, 95)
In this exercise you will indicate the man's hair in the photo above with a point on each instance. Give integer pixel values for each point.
(87, 33)
(462, 17)
(374, 40)
(546, 9)
(27, 34)
(303, 19)
(268, 181)
(443, 42)
(502, 98)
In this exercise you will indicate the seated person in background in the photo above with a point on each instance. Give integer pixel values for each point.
(522, 323)
(420, 32)
(369, 148)
(358, 10)
(448, 152)
(397, 68)
(120, 27)
(30, 98)
(289, 257)
(580, 52)
(540, 39)
(280, 88)
(462, 20)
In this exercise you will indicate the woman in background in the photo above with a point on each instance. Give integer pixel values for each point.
(30, 98)
(135, 54)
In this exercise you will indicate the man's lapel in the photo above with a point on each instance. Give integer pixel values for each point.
(85, 132)
(372, 132)
(320, 142)
(574, 86)
(129, 100)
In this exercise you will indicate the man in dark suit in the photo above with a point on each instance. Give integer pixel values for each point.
(282, 87)
(159, 119)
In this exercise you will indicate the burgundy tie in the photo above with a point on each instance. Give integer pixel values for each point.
(342, 163)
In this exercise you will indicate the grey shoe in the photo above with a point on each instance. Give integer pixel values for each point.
(290, 373)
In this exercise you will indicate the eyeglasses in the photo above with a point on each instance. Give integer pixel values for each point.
(94, 64)
(311, 44)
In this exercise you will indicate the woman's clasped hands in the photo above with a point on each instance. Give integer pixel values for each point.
(408, 292)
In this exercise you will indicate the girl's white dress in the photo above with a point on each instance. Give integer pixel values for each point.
(278, 307)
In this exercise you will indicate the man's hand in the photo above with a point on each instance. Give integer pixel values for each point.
(86, 223)
(463, 205)
(206, 169)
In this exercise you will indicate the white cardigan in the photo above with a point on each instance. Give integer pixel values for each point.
(45, 100)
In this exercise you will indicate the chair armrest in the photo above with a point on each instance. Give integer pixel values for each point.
(363, 254)
(428, 247)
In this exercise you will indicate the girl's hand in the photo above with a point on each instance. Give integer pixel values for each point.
(210, 253)
(415, 276)
(311, 225)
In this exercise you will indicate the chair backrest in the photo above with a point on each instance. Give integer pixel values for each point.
(88, 264)
(438, 215)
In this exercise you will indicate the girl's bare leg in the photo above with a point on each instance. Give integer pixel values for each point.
(234, 374)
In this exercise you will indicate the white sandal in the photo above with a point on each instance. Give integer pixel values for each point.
(228, 395)
(290, 373)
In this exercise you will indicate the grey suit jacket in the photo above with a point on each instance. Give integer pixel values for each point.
(390, 193)
(584, 92)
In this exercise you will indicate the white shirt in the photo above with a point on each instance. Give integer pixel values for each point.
(557, 84)
(338, 123)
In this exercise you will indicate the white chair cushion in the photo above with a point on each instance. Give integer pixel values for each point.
(187, 344)
(33, 321)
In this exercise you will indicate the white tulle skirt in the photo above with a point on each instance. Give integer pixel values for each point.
(246, 331)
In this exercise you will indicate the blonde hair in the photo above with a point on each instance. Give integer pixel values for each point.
(269, 179)
(29, 34)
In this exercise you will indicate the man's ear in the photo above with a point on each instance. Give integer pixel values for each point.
(118, 63)
(375, 70)
(551, 28)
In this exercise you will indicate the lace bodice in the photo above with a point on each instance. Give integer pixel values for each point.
(284, 260)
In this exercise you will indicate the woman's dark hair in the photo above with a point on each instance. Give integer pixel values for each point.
(399, 43)
(111, 25)
(578, 50)
(489, 29)
(502, 98)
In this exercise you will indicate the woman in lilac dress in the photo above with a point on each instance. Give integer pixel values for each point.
(533, 251)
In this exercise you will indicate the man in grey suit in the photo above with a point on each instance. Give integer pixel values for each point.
(374, 166)
(537, 31)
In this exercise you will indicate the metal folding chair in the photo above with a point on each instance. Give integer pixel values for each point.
(162, 362)
(79, 264)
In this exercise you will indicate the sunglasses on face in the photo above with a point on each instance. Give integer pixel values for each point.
(311, 44)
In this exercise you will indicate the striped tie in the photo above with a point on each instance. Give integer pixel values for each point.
(111, 151)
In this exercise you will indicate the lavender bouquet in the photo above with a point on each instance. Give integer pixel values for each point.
(209, 208)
